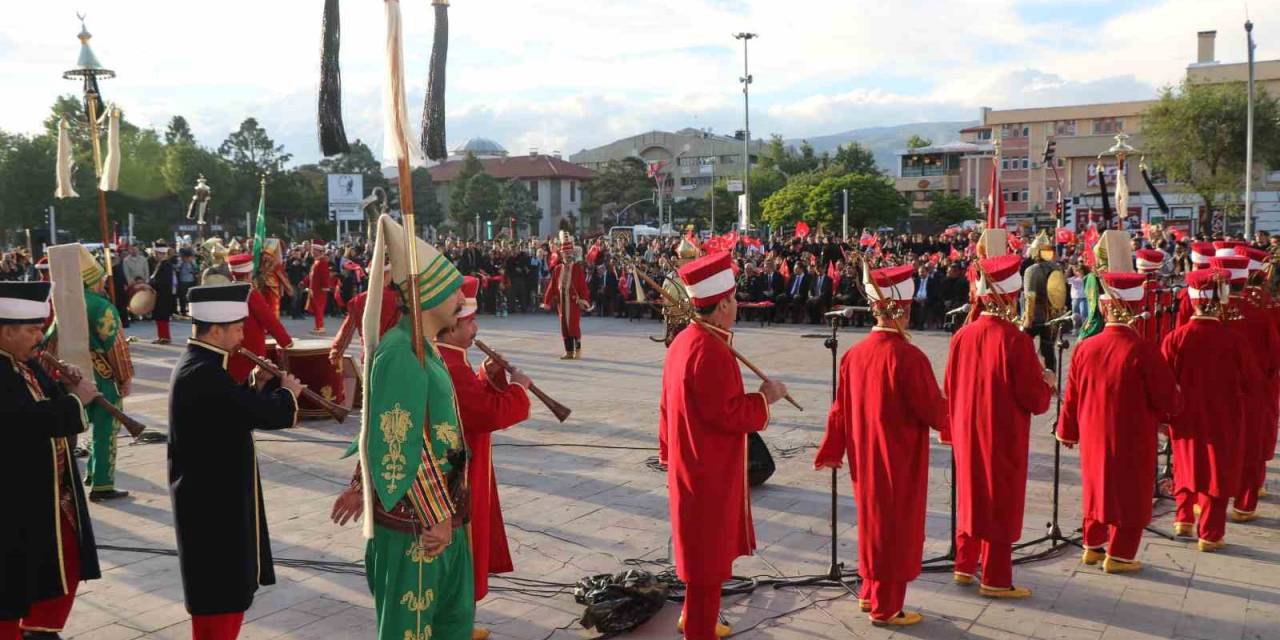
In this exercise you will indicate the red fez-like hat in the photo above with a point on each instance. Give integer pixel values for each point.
(1129, 288)
(895, 284)
(1004, 275)
(1201, 252)
(1149, 260)
(240, 264)
(1237, 267)
(1202, 283)
(470, 287)
(709, 279)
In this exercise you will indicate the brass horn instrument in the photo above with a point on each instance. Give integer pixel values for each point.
(337, 411)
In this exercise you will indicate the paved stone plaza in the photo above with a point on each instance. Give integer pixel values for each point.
(573, 511)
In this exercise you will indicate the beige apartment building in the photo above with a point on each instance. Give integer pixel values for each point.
(1082, 133)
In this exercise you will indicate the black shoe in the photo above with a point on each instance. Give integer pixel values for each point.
(40, 635)
(110, 494)
(81, 452)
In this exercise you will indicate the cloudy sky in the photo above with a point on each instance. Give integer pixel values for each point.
(566, 74)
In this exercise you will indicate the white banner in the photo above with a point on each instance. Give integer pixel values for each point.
(345, 188)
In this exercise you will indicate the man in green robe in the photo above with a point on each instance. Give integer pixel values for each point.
(411, 482)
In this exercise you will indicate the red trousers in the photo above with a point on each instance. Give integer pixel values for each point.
(51, 614)
(221, 626)
(162, 330)
(1252, 475)
(996, 558)
(886, 598)
(319, 299)
(701, 611)
(1213, 513)
(1121, 543)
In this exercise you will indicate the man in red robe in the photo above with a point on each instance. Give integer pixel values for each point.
(886, 400)
(567, 291)
(1258, 292)
(1201, 253)
(1157, 300)
(353, 325)
(1254, 323)
(1214, 369)
(994, 384)
(489, 401)
(1119, 391)
(260, 322)
(704, 417)
(318, 283)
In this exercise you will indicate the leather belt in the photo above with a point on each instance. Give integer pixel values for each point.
(401, 518)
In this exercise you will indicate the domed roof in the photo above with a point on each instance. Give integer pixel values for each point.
(480, 147)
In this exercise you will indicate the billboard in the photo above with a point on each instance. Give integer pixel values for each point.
(345, 188)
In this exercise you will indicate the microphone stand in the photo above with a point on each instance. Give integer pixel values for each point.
(1164, 470)
(1053, 534)
(835, 575)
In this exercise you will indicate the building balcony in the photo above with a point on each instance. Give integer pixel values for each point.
(920, 171)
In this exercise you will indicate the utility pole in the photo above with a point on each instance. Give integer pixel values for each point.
(745, 37)
(131, 228)
(53, 226)
(844, 229)
(1248, 145)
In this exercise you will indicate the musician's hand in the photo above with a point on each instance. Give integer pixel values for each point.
(85, 390)
(491, 369)
(348, 506)
(1051, 378)
(436, 539)
(73, 374)
(519, 377)
(334, 357)
(1069, 445)
(292, 383)
(773, 390)
(544, 307)
(260, 377)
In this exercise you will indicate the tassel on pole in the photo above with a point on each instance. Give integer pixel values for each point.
(66, 164)
(333, 135)
(433, 143)
(110, 180)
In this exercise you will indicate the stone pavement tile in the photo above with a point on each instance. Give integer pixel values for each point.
(108, 632)
(351, 624)
(1213, 609)
(984, 632)
(1003, 616)
(1262, 621)
(157, 618)
(322, 606)
(277, 625)
(1053, 631)
(1086, 602)
(1146, 612)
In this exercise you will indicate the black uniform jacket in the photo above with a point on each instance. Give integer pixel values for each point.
(35, 431)
(223, 548)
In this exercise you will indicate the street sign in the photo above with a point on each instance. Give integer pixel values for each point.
(735, 186)
(345, 212)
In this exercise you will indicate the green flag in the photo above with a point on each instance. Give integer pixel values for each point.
(260, 229)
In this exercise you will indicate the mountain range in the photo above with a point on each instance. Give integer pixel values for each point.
(885, 142)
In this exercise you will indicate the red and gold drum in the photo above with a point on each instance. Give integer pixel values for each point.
(309, 361)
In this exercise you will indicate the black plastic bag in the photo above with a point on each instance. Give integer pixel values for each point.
(621, 601)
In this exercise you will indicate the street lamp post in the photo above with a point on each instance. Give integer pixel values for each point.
(1248, 144)
(89, 70)
(745, 37)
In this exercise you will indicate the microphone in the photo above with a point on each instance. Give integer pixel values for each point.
(964, 308)
(846, 312)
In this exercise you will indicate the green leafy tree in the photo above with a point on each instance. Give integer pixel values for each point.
(948, 208)
(251, 151)
(178, 132)
(1197, 134)
(425, 204)
(788, 204)
(482, 197)
(618, 184)
(788, 160)
(471, 166)
(873, 201)
(855, 158)
(516, 202)
(726, 205)
(26, 179)
(916, 142)
(764, 182)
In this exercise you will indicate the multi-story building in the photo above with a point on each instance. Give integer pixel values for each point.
(693, 159)
(1083, 136)
(555, 184)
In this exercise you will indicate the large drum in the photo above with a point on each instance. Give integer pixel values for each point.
(309, 361)
(141, 297)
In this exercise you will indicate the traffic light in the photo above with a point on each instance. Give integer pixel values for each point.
(1050, 149)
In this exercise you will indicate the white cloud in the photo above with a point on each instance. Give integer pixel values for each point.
(554, 74)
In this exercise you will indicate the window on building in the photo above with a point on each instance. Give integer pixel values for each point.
(1013, 131)
(573, 191)
(973, 193)
(1026, 195)
(688, 161)
(533, 189)
(1108, 126)
(728, 159)
(984, 134)
(1062, 128)
(1050, 195)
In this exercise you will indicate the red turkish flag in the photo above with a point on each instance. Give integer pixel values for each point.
(995, 201)
(802, 229)
(955, 254)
